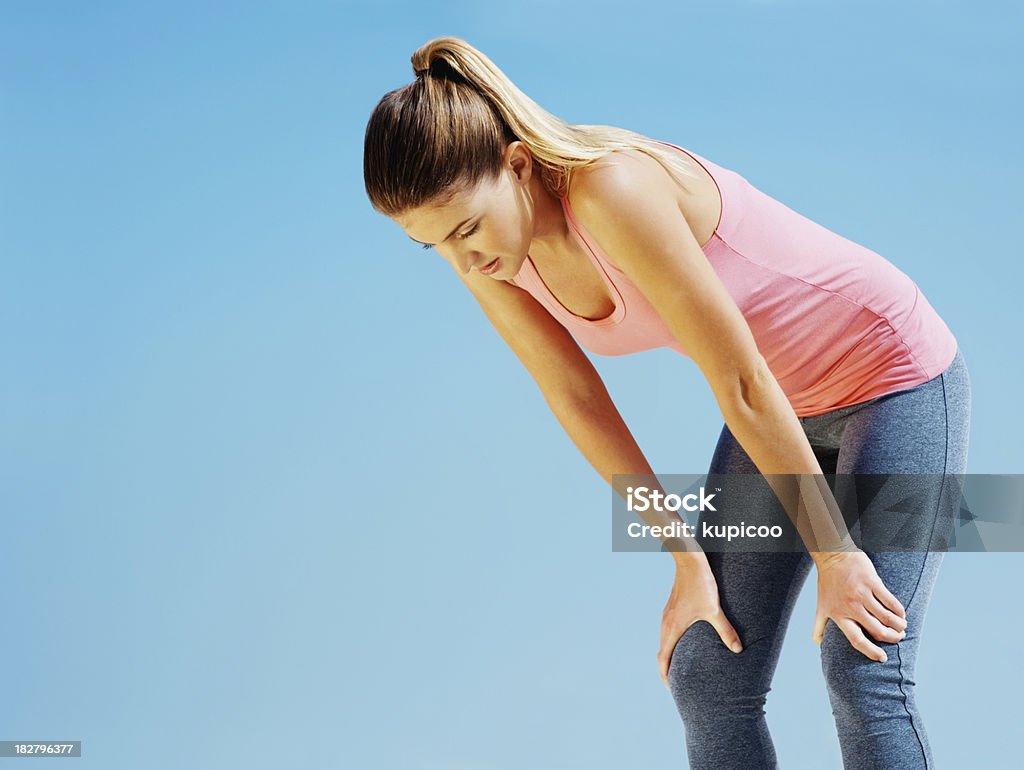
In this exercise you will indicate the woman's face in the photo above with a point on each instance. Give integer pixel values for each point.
(491, 223)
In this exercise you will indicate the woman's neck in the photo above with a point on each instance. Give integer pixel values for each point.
(550, 230)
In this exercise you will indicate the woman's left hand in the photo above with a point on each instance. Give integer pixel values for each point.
(851, 593)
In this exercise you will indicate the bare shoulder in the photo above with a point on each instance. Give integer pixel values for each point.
(630, 183)
(620, 178)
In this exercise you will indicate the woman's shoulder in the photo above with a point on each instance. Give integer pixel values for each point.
(617, 181)
(616, 172)
(630, 175)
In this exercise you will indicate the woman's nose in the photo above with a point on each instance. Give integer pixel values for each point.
(468, 260)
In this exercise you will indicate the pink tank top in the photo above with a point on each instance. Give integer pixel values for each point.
(837, 323)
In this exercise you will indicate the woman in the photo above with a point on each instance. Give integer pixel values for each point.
(822, 356)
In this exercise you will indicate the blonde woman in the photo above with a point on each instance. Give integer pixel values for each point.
(822, 356)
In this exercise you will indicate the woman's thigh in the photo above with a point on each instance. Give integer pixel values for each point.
(757, 591)
(900, 464)
(899, 468)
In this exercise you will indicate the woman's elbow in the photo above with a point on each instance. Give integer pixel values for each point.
(749, 389)
(755, 383)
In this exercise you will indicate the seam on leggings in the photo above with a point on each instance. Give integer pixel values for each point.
(942, 489)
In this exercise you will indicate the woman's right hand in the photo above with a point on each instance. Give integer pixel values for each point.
(694, 597)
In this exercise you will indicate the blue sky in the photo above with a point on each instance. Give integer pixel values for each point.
(243, 417)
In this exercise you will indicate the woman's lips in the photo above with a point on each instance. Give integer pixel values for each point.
(491, 267)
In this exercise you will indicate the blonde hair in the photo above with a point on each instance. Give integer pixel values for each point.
(446, 132)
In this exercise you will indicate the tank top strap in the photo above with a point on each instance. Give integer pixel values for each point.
(598, 258)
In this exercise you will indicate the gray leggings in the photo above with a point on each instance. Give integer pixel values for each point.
(721, 695)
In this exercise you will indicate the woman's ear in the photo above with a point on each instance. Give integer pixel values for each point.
(520, 160)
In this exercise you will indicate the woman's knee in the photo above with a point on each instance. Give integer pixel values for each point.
(708, 681)
(862, 690)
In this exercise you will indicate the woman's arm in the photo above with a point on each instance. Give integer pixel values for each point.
(579, 400)
(628, 202)
(572, 388)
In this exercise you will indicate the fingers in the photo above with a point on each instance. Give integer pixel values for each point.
(725, 631)
(881, 632)
(887, 617)
(859, 641)
(669, 639)
(665, 660)
(886, 597)
(820, 621)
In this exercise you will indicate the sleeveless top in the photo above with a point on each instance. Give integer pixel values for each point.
(836, 323)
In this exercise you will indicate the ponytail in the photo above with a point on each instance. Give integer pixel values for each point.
(447, 130)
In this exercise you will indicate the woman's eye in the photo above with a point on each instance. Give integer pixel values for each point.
(461, 237)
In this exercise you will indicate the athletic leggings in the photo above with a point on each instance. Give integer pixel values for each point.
(721, 695)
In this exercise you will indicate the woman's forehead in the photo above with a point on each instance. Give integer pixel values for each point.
(432, 222)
